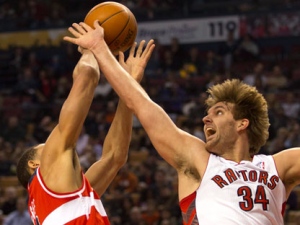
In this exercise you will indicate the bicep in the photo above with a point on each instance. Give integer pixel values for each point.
(288, 166)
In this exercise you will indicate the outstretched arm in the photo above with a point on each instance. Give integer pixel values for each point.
(176, 146)
(116, 143)
(58, 159)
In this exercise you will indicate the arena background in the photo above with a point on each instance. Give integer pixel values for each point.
(199, 43)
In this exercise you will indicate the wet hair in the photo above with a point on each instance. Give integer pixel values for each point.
(23, 173)
(249, 104)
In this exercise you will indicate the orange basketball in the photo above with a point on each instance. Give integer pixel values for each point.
(118, 22)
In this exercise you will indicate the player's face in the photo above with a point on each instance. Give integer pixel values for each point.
(220, 128)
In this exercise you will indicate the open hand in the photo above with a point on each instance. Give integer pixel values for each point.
(85, 36)
(137, 59)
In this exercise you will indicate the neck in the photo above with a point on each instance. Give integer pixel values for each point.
(239, 151)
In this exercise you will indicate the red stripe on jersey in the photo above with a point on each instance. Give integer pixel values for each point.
(188, 210)
(283, 208)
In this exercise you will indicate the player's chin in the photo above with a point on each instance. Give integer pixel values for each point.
(209, 146)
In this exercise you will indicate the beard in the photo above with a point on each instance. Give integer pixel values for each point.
(212, 146)
(220, 144)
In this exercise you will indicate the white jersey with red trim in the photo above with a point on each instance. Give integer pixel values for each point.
(230, 193)
(80, 207)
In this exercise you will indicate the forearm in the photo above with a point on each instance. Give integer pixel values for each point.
(117, 141)
(76, 106)
(115, 150)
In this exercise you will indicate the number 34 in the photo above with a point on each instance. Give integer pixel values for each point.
(259, 198)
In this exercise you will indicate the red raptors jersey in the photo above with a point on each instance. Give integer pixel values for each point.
(230, 193)
(77, 208)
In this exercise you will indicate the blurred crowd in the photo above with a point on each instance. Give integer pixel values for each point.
(35, 81)
(41, 14)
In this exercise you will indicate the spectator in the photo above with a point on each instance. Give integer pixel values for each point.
(27, 82)
(276, 80)
(227, 49)
(124, 183)
(291, 105)
(211, 63)
(279, 141)
(151, 214)
(10, 200)
(103, 90)
(135, 217)
(20, 216)
(6, 164)
(257, 77)
(13, 130)
(247, 49)
(178, 53)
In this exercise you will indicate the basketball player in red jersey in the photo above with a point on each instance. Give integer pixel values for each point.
(59, 193)
(222, 180)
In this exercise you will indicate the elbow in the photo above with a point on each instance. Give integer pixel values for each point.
(87, 72)
(120, 160)
(116, 159)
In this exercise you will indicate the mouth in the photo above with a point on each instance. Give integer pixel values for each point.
(209, 132)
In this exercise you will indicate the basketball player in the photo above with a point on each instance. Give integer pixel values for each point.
(222, 180)
(59, 193)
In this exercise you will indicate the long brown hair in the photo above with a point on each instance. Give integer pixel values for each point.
(249, 104)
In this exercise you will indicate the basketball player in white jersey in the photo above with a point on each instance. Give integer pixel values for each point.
(223, 180)
(59, 193)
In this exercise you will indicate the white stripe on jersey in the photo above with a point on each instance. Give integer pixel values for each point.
(59, 195)
(74, 209)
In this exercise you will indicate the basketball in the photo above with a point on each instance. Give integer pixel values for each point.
(118, 22)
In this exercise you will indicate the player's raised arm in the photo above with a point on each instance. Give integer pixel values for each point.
(58, 158)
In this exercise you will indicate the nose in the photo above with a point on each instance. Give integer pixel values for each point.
(206, 119)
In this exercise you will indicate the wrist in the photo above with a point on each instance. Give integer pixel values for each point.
(100, 48)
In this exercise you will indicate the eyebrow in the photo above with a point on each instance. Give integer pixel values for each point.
(215, 108)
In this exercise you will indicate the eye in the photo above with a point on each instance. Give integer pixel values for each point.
(219, 112)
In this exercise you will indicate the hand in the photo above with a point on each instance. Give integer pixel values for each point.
(85, 36)
(137, 59)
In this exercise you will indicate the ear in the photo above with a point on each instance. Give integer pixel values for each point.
(33, 164)
(242, 124)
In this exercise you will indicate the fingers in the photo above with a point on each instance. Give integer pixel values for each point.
(85, 26)
(132, 49)
(80, 29)
(69, 39)
(121, 57)
(97, 24)
(140, 48)
(149, 49)
(150, 43)
(74, 32)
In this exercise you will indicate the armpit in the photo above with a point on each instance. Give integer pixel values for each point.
(193, 173)
(184, 167)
